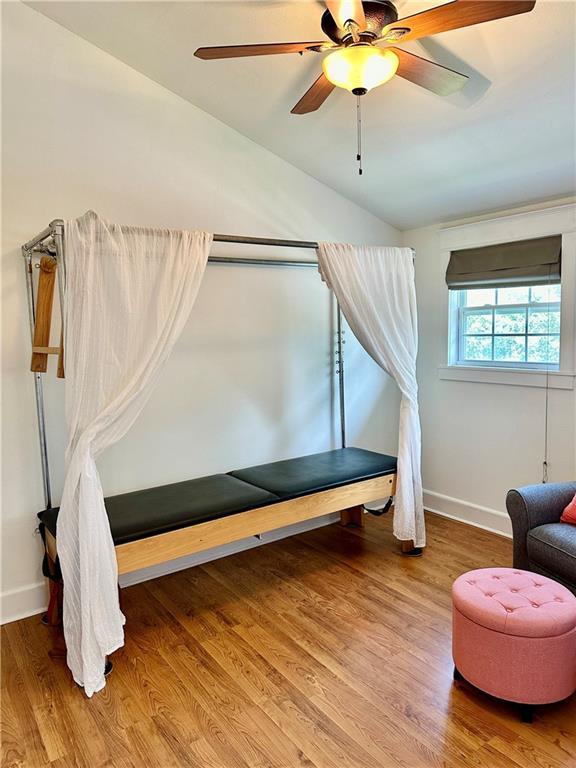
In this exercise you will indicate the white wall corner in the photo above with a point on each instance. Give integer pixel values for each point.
(23, 602)
(492, 520)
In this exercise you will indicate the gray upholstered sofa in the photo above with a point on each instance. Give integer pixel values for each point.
(541, 542)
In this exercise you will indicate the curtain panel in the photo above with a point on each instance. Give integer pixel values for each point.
(129, 292)
(375, 289)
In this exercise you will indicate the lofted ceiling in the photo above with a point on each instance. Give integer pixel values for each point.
(508, 138)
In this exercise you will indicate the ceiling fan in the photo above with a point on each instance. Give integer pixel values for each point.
(357, 29)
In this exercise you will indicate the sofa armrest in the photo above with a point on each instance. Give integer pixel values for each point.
(535, 505)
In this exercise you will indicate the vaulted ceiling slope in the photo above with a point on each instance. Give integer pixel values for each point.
(508, 138)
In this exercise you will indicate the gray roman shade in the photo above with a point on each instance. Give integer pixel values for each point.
(533, 262)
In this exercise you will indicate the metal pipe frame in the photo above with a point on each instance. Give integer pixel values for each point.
(55, 232)
(261, 262)
(340, 371)
(27, 252)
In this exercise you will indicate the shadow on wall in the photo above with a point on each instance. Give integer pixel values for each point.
(372, 401)
(477, 84)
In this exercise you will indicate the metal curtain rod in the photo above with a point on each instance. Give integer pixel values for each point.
(270, 241)
(265, 241)
(57, 225)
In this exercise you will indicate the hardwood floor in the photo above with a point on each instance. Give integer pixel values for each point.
(326, 650)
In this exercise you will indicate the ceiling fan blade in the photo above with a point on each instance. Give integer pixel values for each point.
(428, 74)
(347, 10)
(454, 15)
(314, 97)
(264, 49)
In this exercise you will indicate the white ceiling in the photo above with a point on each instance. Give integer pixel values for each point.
(507, 139)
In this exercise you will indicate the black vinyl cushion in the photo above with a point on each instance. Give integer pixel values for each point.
(166, 508)
(318, 472)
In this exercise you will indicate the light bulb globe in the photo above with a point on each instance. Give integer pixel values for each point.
(359, 68)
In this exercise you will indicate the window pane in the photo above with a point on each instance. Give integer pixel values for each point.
(545, 293)
(479, 297)
(544, 349)
(517, 326)
(509, 349)
(478, 321)
(477, 348)
(544, 321)
(517, 295)
(510, 321)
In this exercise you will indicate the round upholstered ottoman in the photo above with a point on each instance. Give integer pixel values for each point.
(514, 636)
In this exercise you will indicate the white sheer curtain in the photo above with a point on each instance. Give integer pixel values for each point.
(375, 289)
(129, 291)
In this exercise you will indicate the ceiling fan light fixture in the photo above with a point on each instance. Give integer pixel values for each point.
(359, 68)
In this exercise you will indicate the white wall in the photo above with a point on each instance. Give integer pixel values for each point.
(250, 380)
(481, 439)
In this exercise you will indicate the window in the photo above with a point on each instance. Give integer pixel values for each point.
(515, 327)
(535, 252)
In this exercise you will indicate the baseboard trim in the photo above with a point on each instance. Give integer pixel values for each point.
(32, 599)
(465, 512)
(23, 602)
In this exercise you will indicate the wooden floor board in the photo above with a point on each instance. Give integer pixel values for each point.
(326, 650)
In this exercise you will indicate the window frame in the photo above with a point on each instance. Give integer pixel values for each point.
(503, 228)
(462, 311)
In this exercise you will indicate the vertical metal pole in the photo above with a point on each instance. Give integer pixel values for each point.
(38, 383)
(58, 236)
(340, 371)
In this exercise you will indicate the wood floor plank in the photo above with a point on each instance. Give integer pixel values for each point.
(383, 700)
(20, 691)
(326, 650)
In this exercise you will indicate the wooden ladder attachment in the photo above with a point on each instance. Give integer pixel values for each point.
(41, 346)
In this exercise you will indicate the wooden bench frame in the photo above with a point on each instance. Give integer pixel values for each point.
(163, 547)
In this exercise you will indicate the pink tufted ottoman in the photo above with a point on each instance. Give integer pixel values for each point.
(514, 636)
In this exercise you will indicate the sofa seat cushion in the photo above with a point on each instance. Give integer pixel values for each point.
(140, 514)
(553, 546)
(318, 472)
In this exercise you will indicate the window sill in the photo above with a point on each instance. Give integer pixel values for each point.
(508, 376)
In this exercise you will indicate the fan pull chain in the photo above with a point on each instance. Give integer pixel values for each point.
(359, 134)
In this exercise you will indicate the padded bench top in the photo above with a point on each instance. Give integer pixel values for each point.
(318, 472)
(151, 511)
(165, 508)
